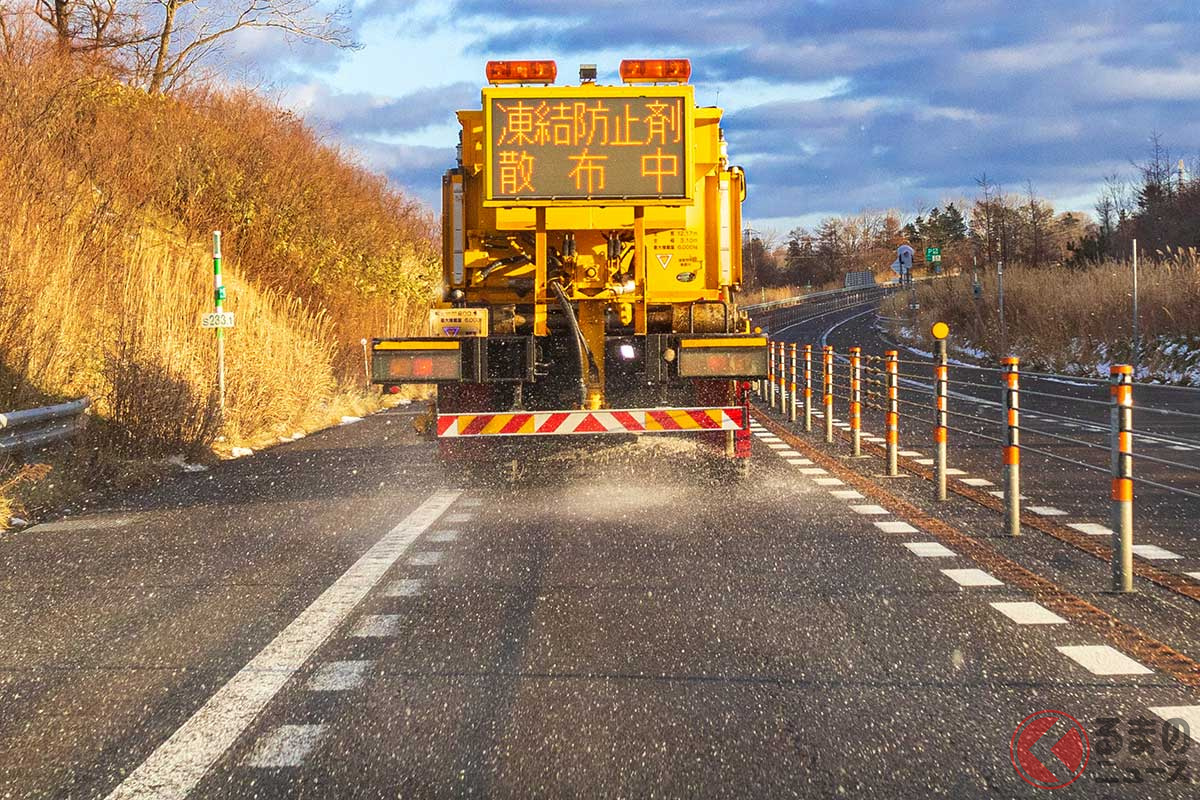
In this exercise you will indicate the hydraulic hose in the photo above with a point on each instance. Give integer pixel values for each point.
(587, 364)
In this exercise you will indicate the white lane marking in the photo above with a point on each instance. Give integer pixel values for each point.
(286, 746)
(1154, 553)
(872, 439)
(1189, 714)
(800, 462)
(1180, 447)
(338, 676)
(846, 494)
(179, 763)
(928, 462)
(953, 471)
(444, 536)
(80, 524)
(910, 454)
(812, 471)
(407, 587)
(1100, 659)
(845, 425)
(930, 550)
(1091, 528)
(788, 454)
(1047, 511)
(1028, 613)
(465, 516)
(869, 510)
(828, 482)
(971, 577)
(777, 445)
(377, 625)
(1001, 495)
(426, 559)
(977, 482)
(895, 526)
(470, 502)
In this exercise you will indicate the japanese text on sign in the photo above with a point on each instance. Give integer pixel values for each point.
(599, 147)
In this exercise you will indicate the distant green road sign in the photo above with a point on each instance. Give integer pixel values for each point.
(933, 255)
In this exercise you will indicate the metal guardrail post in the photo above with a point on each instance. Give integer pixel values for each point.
(940, 430)
(792, 382)
(808, 388)
(893, 413)
(856, 400)
(827, 386)
(1121, 390)
(1012, 445)
(771, 373)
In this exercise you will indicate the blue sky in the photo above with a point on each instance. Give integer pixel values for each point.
(832, 107)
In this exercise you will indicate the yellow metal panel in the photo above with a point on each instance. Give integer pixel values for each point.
(447, 345)
(739, 342)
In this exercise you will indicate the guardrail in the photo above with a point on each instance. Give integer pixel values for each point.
(1011, 419)
(780, 313)
(37, 427)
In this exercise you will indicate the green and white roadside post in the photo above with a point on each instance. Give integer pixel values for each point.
(218, 319)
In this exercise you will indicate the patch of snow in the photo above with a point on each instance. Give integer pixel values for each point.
(350, 420)
(240, 452)
(298, 435)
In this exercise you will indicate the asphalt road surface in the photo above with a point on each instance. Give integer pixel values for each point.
(341, 617)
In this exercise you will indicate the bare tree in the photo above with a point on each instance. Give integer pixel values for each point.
(185, 32)
(92, 24)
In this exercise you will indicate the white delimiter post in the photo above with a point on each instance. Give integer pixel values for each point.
(219, 303)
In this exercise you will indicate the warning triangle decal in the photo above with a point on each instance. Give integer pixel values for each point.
(664, 259)
(450, 330)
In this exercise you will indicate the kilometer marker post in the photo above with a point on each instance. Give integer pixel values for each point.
(219, 303)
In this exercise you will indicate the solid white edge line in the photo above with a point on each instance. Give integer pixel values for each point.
(175, 768)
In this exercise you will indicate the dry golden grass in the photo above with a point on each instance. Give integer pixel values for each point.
(109, 197)
(1057, 316)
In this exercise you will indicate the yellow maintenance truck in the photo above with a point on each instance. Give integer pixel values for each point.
(591, 260)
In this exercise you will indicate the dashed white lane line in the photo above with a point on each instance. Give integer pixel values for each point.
(911, 454)
(828, 482)
(1091, 528)
(930, 550)
(377, 625)
(1100, 659)
(338, 676)
(926, 462)
(179, 763)
(812, 471)
(872, 439)
(174, 769)
(407, 587)
(788, 454)
(1189, 714)
(1047, 511)
(971, 577)
(953, 471)
(1001, 495)
(426, 559)
(800, 462)
(455, 519)
(1029, 613)
(1154, 553)
(846, 494)
(777, 446)
(977, 482)
(444, 536)
(895, 526)
(286, 746)
(869, 510)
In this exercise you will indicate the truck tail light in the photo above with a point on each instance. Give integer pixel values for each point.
(656, 70)
(521, 71)
(725, 357)
(416, 361)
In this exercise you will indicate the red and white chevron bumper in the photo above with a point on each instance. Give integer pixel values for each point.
(558, 423)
